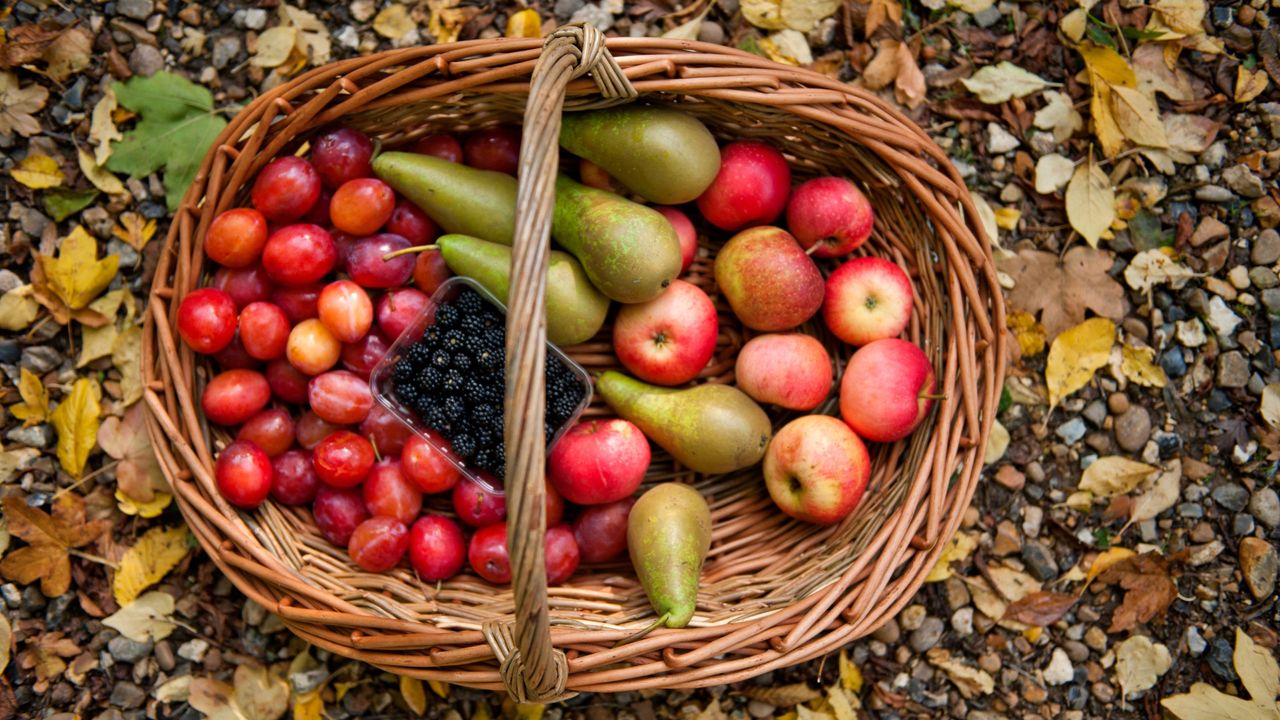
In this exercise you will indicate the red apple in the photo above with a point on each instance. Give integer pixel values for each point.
(789, 370)
(831, 215)
(816, 469)
(685, 231)
(750, 189)
(887, 390)
(598, 461)
(769, 281)
(667, 340)
(867, 299)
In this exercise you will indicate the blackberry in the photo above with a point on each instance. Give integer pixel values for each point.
(454, 408)
(491, 358)
(485, 458)
(435, 417)
(453, 339)
(461, 361)
(440, 359)
(452, 383)
(432, 378)
(486, 412)
(470, 302)
(464, 445)
(447, 316)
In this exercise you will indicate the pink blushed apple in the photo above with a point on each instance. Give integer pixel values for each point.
(685, 231)
(769, 281)
(831, 215)
(667, 340)
(816, 469)
(887, 390)
(789, 370)
(750, 189)
(867, 299)
(598, 461)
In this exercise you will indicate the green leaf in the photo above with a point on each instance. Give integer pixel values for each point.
(177, 127)
(61, 203)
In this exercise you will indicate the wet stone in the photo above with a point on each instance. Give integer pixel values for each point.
(1220, 661)
(1040, 561)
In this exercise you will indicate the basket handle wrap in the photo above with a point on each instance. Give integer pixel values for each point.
(532, 669)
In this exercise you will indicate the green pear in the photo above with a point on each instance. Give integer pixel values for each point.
(669, 534)
(665, 156)
(460, 199)
(575, 309)
(629, 250)
(708, 428)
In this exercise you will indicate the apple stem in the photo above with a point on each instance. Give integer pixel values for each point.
(813, 248)
(640, 635)
(409, 251)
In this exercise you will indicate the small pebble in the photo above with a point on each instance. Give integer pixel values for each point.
(1009, 477)
(757, 709)
(1264, 505)
(1104, 692)
(145, 60)
(1032, 517)
(1059, 670)
(1242, 524)
(1077, 651)
(1266, 248)
(1040, 561)
(1220, 659)
(127, 696)
(1195, 641)
(193, 650)
(1233, 370)
(1072, 430)
(1133, 428)
(1095, 412)
(125, 650)
(1238, 276)
(927, 635)
(135, 9)
(888, 633)
(962, 621)
(1214, 194)
(1118, 403)
(1243, 181)
(1231, 496)
(256, 18)
(164, 656)
(1095, 638)
(1259, 565)
(911, 618)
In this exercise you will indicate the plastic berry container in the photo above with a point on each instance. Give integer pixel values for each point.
(383, 383)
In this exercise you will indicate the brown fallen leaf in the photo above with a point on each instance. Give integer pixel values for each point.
(69, 53)
(125, 439)
(1149, 589)
(18, 106)
(49, 539)
(1040, 608)
(1061, 291)
(26, 43)
(45, 658)
(783, 695)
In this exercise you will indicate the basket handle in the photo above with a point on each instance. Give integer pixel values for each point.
(532, 669)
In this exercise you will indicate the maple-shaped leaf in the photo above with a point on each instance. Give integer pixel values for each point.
(1060, 291)
(45, 657)
(1149, 590)
(134, 230)
(178, 125)
(48, 537)
(18, 106)
(76, 275)
(34, 408)
(138, 472)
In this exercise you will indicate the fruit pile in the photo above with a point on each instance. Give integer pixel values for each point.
(345, 255)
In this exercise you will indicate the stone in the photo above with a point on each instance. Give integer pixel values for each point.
(1238, 276)
(11, 594)
(1259, 564)
(999, 140)
(1095, 412)
(594, 15)
(164, 656)
(1266, 248)
(962, 621)
(225, 49)
(363, 10)
(1190, 332)
(912, 617)
(1221, 318)
(1190, 510)
(135, 9)
(757, 709)
(1233, 369)
(1204, 554)
(125, 650)
(888, 633)
(1221, 661)
(1201, 533)
(1118, 403)
(40, 359)
(987, 16)
(928, 634)
(145, 60)
(193, 650)
(1209, 230)
(957, 592)
(1242, 524)
(1032, 517)
(1072, 430)
(1264, 505)
(1231, 496)
(1095, 638)
(36, 436)
(1010, 477)
(1007, 540)
(1077, 651)
(1222, 288)
(1263, 278)
(1059, 671)
(1243, 181)
(1214, 194)
(1195, 641)
(1133, 428)
(711, 32)
(127, 696)
(1040, 561)
(1215, 258)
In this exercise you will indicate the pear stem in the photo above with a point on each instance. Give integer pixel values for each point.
(641, 635)
(409, 251)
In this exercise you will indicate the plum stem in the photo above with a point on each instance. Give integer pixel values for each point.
(931, 396)
(409, 250)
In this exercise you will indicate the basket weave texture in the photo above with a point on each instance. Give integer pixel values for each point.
(774, 592)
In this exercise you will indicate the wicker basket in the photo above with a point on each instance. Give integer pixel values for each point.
(774, 592)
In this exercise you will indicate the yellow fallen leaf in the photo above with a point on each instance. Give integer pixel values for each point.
(77, 276)
(1157, 493)
(76, 420)
(1250, 83)
(804, 15)
(261, 693)
(102, 127)
(1007, 218)
(1184, 16)
(6, 641)
(1113, 475)
(34, 408)
(764, 14)
(308, 706)
(99, 175)
(146, 619)
(1109, 557)
(787, 47)
(413, 693)
(134, 230)
(126, 355)
(1075, 355)
(969, 680)
(439, 687)
(850, 675)
(1138, 365)
(960, 546)
(994, 84)
(1090, 201)
(1260, 675)
(529, 711)
(1106, 70)
(393, 22)
(98, 342)
(1138, 117)
(149, 560)
(880, 12)
(1074, 24)
(18, 309)
(275, 45)
(525, 24)
(447, 19)
(150, 509)
(38, 171)
(1028, 331)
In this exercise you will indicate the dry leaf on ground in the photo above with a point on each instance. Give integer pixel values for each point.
(1270, 405)
(1113, 475)
(1138, 117)
(148, 618)
(1058, 116)
(1040, 608)
(49, 537)
(1154, 75)
(38, 172)
(1106, 69)
(34, 408)
(959, 547)
(76, 420)
(149, 560)
(1157, 493)
(969, 680)
(998, 83)
(1260, 676)
(1091, 201)
(1053, 171)
(1154, 267)
(1138, 365)
(414, 694)
(527, 23)
(1063, 290)
(1076, 355)
(76, 275)
(18, 106)
(18, 309)
(1250, 83)
(1148, 589)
